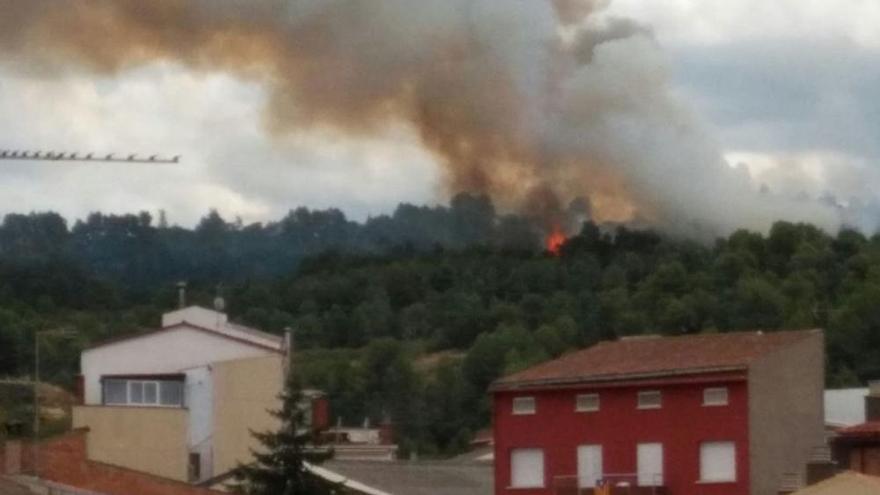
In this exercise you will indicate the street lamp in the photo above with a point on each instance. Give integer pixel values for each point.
(58, 332)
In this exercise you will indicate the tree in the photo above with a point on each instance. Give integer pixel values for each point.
(280, 467)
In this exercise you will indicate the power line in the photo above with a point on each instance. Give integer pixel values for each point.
(61, 156)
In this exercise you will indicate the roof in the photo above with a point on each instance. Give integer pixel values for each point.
(867, 430)
(845, 407)
(417, 477)
(848, 483)
(650, 357)
(208, 321)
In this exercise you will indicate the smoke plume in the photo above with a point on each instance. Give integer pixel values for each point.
(534, 102)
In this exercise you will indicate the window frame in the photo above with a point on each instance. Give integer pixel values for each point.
(527, 411)
(644, 393)
(587, 396)
(104, 398)
(132, 383)
(543, 478)
(733, 466)
(709, 403)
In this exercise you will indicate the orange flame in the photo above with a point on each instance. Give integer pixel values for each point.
(555, 240)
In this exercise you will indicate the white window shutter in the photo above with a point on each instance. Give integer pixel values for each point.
(589, 465)
(650, 464)
(527, 468)
(717, 461)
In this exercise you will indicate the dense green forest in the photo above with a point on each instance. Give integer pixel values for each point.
(413, 314)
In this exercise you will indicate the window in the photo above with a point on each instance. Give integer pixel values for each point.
(151, 392)
(649, 457)
(527, 468)
(715, 396)
(136, 392)
(119, 391)
(717, 462)
(171, 393)
(589, 465)
(115, 392)
(650, 400)
(587, 403)
(523, 405)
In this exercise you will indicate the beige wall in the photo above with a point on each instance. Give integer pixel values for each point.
(149, 439)
(244, 391)
(785, 412)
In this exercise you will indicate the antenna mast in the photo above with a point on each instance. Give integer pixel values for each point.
(61, 156)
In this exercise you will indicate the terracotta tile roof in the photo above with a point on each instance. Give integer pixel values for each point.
(643, 357)
(870, 429)
(847, 483)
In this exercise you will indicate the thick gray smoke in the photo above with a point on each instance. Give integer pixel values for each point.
(534, 102)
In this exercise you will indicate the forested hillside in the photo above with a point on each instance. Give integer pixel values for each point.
(412, 315)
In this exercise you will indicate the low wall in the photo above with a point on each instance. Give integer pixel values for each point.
(63, 460)
(147, 439)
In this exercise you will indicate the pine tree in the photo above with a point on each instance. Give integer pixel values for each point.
(279, 467)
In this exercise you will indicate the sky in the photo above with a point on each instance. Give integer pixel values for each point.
(787, 88)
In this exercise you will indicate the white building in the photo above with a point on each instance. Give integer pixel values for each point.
(180, 401)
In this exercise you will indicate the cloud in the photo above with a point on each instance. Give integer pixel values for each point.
(214, 121)
(503, 101)
(720, 22)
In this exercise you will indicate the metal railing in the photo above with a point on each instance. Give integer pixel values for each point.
(610, 484)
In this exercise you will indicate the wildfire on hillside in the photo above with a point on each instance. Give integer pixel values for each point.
(555, 240)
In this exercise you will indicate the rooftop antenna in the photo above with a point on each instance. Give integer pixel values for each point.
(64, 156)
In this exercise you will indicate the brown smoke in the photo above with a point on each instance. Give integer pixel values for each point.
(510, 95)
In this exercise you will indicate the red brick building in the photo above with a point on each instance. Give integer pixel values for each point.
(857, 447)
(720, 414)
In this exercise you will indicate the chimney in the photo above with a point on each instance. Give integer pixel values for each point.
(872, 402)
(386, 431)
(181, 294)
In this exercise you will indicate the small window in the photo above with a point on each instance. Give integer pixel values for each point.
(715, 396)
(115, 392)
(136, 392)
(524, 405)
(587, 403)
(650, 399)
(527, 468)
(151, 392)
(120, 392)
(717, 462)
(171, 393)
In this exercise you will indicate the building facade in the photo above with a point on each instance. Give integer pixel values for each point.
(179, 402)
(857, 447)
(726, 414)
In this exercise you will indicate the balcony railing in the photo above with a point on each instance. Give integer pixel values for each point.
(609, 484)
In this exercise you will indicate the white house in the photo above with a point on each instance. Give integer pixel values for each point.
(180, 401)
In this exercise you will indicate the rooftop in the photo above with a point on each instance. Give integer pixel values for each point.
(847, 483)
(206, 320)
(649, 357)
(417, 477)
(868, 430)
